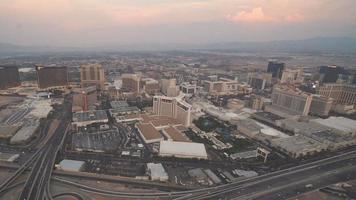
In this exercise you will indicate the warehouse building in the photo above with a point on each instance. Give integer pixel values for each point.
(71, 165)
(148, 133)
(157, 172)
(182, 150)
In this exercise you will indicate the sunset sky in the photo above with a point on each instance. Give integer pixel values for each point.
(114, 22)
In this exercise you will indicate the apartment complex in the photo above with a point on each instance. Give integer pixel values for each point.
(172, 107)
(92, 75)
(51, 76)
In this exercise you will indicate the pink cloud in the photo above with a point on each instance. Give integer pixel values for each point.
(255, 15)
(294, 18)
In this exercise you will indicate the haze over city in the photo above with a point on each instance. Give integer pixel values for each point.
(78, 23)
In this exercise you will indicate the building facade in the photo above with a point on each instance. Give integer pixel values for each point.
(9, 77)
(52, 76)
(172, 107)
(289, 101)
(92, 75)
(292, 76)
(276, 68)
(259, 80)
(341, 93)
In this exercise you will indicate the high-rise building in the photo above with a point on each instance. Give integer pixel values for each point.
(169, 87)
(92, 75)
(276, 68)
(84, 99)
(336, 74)
(222, 87)
(330, 74)
(287, 101)
(188, 88)
(321, 105)
(255, 102)
(292, 76)
(51, 76)
(341, 93)
(259, 80)
(131, 83)
(9, 77)
(172, 107)
(150, 86)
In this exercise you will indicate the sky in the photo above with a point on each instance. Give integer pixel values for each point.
(124, 22)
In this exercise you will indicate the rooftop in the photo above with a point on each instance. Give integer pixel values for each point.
(92, 115)
(71, 165)
(148, 131)
(175, 135)
(340, 123)
(182, 149)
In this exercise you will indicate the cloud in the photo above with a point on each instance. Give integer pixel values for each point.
(295, 18)
(255, 15)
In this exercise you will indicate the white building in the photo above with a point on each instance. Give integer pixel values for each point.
(182, 150)
(157, 172)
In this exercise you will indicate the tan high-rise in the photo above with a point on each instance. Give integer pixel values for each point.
(92, 75)
(172, 107)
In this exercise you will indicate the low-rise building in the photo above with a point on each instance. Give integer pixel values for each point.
(157, 172)
(182, 150)
(81, 119)
(148, 133)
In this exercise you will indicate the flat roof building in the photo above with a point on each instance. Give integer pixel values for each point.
(71, 165)
(173, 134)
(182, 150)
(86, 118)
(157, 172)
(148, 133)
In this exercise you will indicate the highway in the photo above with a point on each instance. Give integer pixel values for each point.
(287, 183)
(278, 185)
(37, 184)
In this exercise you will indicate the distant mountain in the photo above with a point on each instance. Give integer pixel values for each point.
(318, 44)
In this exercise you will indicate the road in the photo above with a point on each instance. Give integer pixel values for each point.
(37, 185)
(286, 183)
